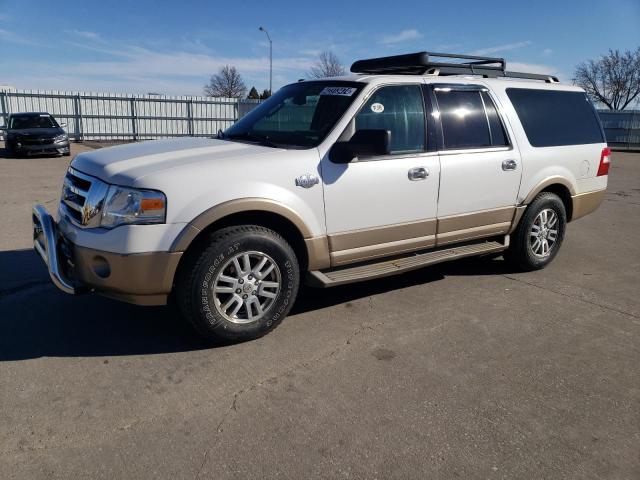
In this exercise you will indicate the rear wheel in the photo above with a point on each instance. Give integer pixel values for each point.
(539, 235)
(240, 285)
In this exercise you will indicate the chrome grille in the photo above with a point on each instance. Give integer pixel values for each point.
(82, 198)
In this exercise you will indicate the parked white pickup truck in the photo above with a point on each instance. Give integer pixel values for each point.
(412, 160)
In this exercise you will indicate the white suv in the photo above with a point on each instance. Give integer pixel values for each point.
(412, 160)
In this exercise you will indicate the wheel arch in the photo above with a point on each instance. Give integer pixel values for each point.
(312, 252)
(559, 186)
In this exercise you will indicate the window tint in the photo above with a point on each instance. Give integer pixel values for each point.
(399, 109)
(299, 115)
(32, 121)
(496, 129)
(464, 123)
(552, 118)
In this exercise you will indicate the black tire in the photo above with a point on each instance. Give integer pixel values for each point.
(196, 279)
(66, 154)
(521, 253)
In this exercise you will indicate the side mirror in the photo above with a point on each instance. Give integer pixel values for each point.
(63, 124)
(362, 143)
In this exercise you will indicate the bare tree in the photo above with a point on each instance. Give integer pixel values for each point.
(226, 83)
(327, 65)
(613, 80)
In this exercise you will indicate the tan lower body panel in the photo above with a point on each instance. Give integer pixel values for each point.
(473, 233)
(469, 226)
(362, 245)
(585, 203)
(318, 253)
(344, 257)
(357, 245)
(143, 278)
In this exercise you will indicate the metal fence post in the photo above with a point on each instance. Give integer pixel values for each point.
(134, 127)
(3, 104)
(190, 118)
(77, 117)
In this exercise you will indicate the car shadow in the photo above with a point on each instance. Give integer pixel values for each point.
(36, 320)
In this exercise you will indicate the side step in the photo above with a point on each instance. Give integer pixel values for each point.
(384, 268)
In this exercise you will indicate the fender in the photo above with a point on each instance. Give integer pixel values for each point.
(556, 179)
(317, 247)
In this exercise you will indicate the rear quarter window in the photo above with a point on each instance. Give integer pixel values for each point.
(552, 118)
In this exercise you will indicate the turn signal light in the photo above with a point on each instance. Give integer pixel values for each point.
(151, 204)
(605, 162)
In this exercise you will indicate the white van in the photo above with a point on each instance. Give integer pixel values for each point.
(411, 160)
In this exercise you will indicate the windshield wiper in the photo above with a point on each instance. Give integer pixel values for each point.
(252, 137)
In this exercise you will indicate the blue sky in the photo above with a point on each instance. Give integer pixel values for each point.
(173, 47)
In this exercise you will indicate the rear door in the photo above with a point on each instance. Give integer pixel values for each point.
(480, 167)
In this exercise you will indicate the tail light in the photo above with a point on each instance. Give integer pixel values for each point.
(605, 161)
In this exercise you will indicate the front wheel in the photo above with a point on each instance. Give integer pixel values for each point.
(241, 285)
(539, 234)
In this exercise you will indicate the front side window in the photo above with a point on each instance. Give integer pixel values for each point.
(400, 110)
(300, 115)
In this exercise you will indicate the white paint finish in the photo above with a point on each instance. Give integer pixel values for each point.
(197, 174)
(539, 164)
(370, 194)
(125, 239)
(591, 184)
(475, 181)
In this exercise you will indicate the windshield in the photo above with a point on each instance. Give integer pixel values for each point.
(32, 121)
(300, 115)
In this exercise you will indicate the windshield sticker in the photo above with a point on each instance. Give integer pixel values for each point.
(341, 91)
(377, 107)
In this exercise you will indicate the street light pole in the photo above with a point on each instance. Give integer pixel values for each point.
(270, 60)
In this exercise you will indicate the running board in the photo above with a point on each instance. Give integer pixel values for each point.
(384, 268)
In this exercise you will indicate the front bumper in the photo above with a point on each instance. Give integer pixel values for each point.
(141, 278)
(42, 149)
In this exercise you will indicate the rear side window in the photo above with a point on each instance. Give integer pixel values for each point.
(553, 118)
(496, 129)
(464, 123)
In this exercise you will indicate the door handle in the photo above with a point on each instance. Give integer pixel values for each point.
(418, 173)
(509, 165)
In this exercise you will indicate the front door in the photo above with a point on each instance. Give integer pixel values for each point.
(378, 206)
(480, 168)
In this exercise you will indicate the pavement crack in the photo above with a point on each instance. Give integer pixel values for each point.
(233, 408)
(204, 460)
(573, 297)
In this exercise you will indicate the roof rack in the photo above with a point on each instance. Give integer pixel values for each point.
(421, 63)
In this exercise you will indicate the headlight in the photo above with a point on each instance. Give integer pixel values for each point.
(133, 206)
(61, 138)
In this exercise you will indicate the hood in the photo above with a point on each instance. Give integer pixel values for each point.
(37, 132)
(126, 164)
